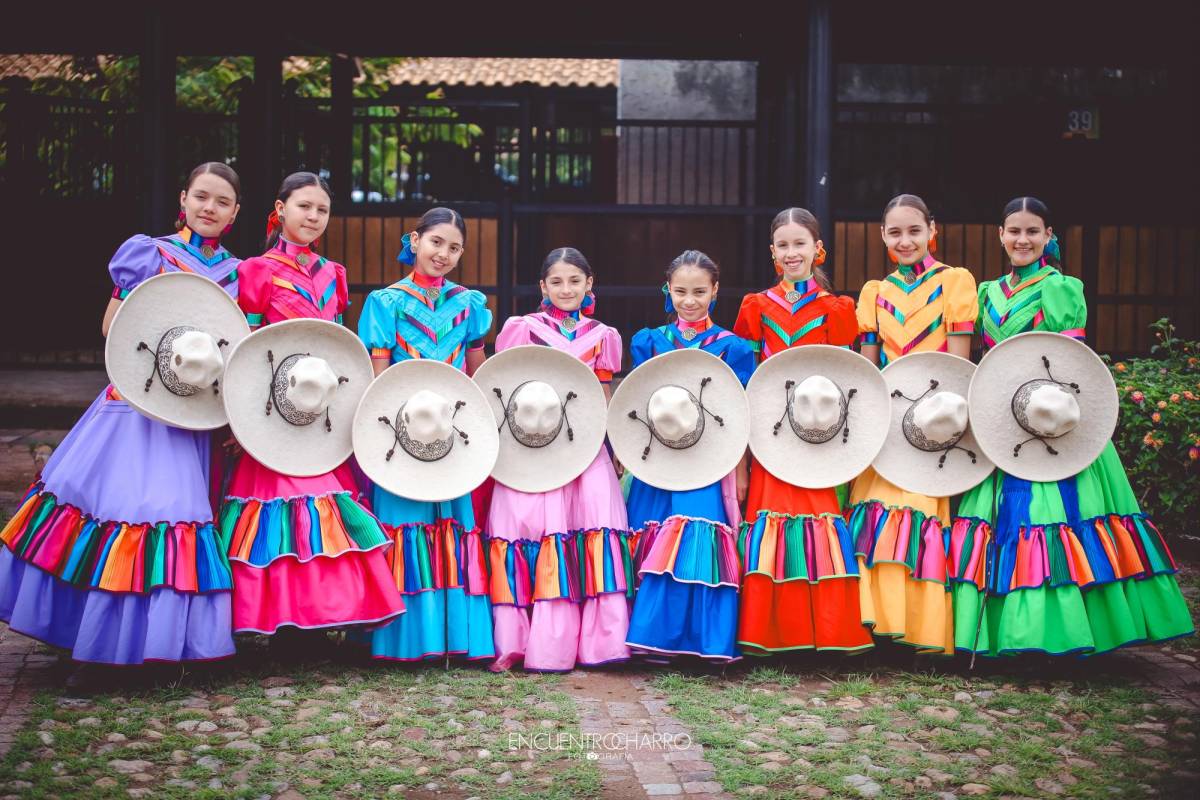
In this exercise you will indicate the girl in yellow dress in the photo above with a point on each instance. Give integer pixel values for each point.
(924, 305)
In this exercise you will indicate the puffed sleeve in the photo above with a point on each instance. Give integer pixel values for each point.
(961, 301)
(841, 321)
(1064, 306)
(479, 319)
(609, 360)
(377, 326)
(741, 358)
(342, 293)
(748, 325)
(641, 346)
(514, 333)
(981, 304)
(137, 259)
(868, 318)
(254, 290)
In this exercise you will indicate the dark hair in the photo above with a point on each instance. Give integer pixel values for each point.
(1030, 204)
(691, 258)
(566, 255)
(222, 171)
(1038, 209)
(908, 201)
(694, 258)
(297, 180)
(442, 216)
(804, 218)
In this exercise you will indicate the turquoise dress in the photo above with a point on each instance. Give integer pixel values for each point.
(438, 556)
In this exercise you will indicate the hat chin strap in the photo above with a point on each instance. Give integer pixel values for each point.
(815, 436)
(273, 398)
(1021, 397)
(688, 439)
(171, 385)
(532, 440)
(917, 439)
(423, 451)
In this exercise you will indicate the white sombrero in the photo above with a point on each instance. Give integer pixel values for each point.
(167, 348)
(679, 421)
(290, 391)
(553, 408)
(930, 448)
(1043, 406)
(424, 431)
(819, 415)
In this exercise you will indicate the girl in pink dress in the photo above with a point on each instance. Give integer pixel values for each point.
(586, 516)
(305, 553)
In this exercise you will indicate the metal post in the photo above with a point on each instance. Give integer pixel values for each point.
(156, 66)
(342, 100)
(504, 259)
(818, 162)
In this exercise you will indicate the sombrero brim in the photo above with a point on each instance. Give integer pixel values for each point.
(461, 470)
(718, 450)
(1018, 360)
(157, 305)
(916, 470)
(540, 469)
(790, 458)
(297, 450)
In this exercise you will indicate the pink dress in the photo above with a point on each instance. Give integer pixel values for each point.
(304, 551)
(561, 569)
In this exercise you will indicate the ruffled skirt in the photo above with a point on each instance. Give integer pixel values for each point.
(901, 541)
(113, 554)
(1071, 566)
(304, 552)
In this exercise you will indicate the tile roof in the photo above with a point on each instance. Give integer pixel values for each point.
(600, 72)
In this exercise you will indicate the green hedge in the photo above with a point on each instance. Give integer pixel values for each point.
(1158, 434)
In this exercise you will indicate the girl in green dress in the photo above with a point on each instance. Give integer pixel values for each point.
(1126, 592)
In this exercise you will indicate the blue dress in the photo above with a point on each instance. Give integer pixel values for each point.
(438, 555)
(687, 601)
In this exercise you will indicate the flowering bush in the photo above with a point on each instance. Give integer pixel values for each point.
(1158, 434)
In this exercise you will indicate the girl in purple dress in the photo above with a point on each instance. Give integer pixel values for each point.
(113, 555)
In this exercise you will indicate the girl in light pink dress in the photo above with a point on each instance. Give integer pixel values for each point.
(580, 530)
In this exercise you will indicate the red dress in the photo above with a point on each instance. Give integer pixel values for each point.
(800, 578)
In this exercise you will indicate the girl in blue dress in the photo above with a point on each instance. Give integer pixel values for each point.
(438, 557)
(671, 616)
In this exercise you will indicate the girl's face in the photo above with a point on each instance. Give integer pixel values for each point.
(692, 290)
(438, 250)
(209, 205)
(906, 234)
(1024, 236)
(794, 248)
(566, 285)
(305, 215)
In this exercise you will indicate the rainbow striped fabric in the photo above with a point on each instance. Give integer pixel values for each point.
(439, 555)
(572, 566)
(787, 548)
(116, 556)
(906, 536)
(255, 532)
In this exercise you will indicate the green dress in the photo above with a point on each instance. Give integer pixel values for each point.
(1071, 566)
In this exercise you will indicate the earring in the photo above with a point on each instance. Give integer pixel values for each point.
(820, 257)
(778, 268)
(933, 243)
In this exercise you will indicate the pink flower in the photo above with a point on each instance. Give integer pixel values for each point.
(1137, 397)
(1174, 398)
(1162, 403)
(1194, 453)
(1157, 417)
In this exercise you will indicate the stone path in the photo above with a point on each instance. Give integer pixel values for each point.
(641, 749)
(25, 669)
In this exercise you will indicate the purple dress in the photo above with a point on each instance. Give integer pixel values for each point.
(114, 555)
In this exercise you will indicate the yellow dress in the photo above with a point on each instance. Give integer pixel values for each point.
(900, 537)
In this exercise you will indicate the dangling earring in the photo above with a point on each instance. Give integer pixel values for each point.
(819, 259)
(778, 268)
(933, 243)
(227, 229)
(668, 303)
(892, 257)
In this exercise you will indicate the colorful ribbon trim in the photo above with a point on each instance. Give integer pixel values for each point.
(690, 551)
(439, 555)
(88, 553)
(788, 548)
(883, 534)
(257, 532)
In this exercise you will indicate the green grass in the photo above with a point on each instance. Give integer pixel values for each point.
(398, 706)
(1077, 733)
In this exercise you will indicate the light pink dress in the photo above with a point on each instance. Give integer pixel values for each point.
(536, 538)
